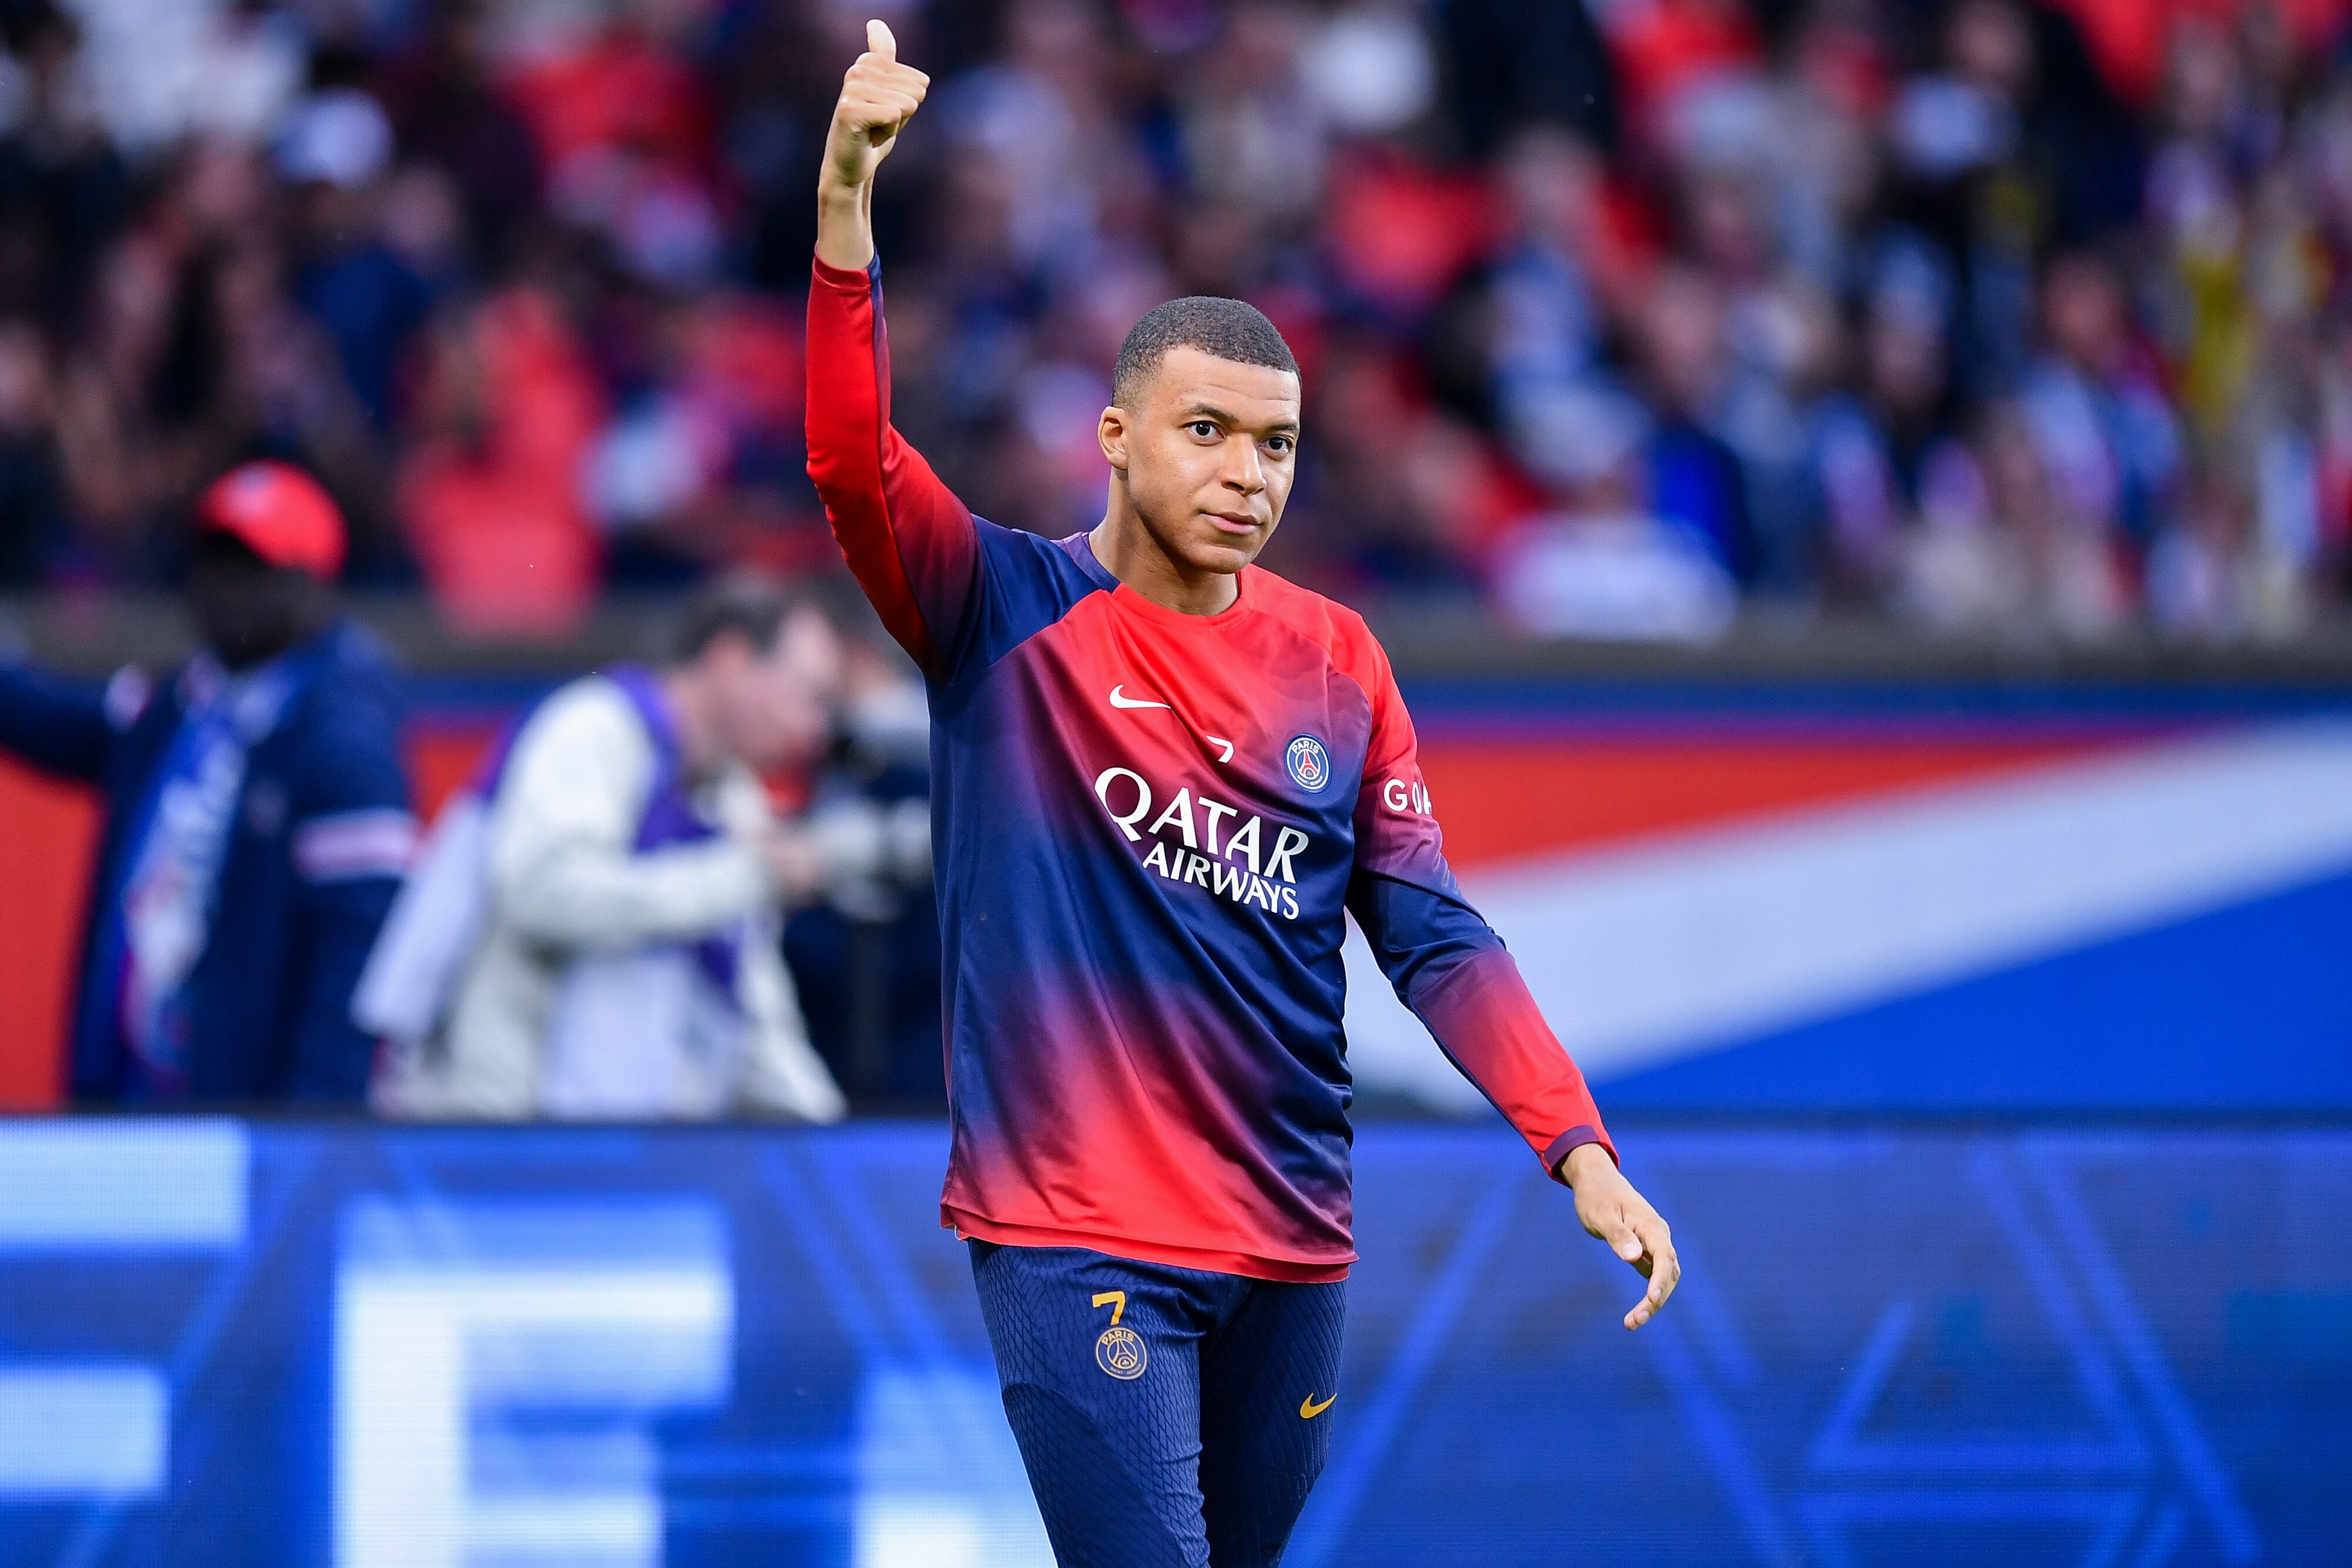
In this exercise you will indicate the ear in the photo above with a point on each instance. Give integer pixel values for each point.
(1112, 432)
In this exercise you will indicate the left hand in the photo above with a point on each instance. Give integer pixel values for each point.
(1611, 1211)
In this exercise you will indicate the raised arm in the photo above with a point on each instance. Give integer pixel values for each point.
(912, 545)
(1448, 966)
(57, 724)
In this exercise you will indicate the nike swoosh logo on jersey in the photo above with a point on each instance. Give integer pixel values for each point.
(1308, 1410)
(1119, 698)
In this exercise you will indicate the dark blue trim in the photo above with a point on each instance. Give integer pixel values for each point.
(1568, 1143)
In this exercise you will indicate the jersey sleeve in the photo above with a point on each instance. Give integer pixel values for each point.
(350, 842)
(1445, 962)
(912, 545)
(57, 724)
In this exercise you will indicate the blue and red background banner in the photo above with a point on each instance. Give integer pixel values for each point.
(1749, 895)
(368, 1347)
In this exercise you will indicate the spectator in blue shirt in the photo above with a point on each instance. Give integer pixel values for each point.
(256, 821)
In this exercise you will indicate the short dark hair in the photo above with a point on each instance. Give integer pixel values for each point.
(751, 607)
(1228, 329)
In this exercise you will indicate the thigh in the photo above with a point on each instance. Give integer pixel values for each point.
(1269, 1375)
(1099, 1362)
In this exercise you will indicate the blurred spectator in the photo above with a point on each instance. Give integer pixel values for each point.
(1510, 66)
(865, 955)
(334, 153)
(1602, 564)
(32, 491)
(452, 117)
(592, 930)
(1695, 477)
(1549, 278)
(1883, 447)
(514, 279)
(2105, 433)
(491, 493)
(256, 821)
(2005, 546)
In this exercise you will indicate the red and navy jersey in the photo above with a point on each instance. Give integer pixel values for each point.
(1150, 829)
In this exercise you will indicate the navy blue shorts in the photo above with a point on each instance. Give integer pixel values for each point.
(1168, 1417)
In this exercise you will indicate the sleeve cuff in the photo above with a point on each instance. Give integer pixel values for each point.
(1559, 1148)
(854, 280)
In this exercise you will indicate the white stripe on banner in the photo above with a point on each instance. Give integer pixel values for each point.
(1664, 950)
(147, 1183)
(82, 1432)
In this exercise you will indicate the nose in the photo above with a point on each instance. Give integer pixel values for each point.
(1244, 471)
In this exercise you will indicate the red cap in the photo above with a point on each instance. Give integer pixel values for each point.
(280, 513)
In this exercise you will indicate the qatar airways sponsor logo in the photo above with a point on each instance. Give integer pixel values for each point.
(1220, 848)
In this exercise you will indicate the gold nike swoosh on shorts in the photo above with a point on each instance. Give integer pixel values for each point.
(1308, 1410)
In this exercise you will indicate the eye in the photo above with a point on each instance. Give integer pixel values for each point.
(1280, 445)
(1203, 428)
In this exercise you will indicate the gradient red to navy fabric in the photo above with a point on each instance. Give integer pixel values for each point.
(1150, 828)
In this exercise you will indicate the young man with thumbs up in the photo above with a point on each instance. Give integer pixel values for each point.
(1162, 778)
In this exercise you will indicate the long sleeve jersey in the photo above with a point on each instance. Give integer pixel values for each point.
(1151, 827)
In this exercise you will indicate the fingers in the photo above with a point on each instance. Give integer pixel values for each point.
(874, 108)
(1611, 1211)
(878, 93)
(879, 62)
(1658, 1262)
(870, 75)
(879, 109)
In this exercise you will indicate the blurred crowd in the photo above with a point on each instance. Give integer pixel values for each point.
(1623, 316)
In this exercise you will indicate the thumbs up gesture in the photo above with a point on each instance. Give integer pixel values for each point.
(877, 98)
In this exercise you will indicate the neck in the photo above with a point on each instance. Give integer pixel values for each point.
(690, 706)
(1123, 544)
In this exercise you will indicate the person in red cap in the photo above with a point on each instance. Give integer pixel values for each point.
(257, 824)
(269, 547)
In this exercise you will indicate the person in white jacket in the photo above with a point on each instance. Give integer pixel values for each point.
(593, 931)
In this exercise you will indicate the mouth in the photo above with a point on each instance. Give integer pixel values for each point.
(1233, 523)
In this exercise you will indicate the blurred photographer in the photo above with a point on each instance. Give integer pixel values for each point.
(865, 954)
(591, 931)
(257, 819)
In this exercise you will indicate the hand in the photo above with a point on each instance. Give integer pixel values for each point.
(1611, 1211)
(877, 98)
(794, 867)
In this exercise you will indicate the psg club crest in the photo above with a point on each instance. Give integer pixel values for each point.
(1120, 1352)
(1308, 764)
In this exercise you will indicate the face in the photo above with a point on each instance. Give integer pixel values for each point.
(2014, 470)
(1682, 336)
(1991, 43)
(774, 709)
(2083, 312)
(1906, 363)
(247, 611)
(1207, 455)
